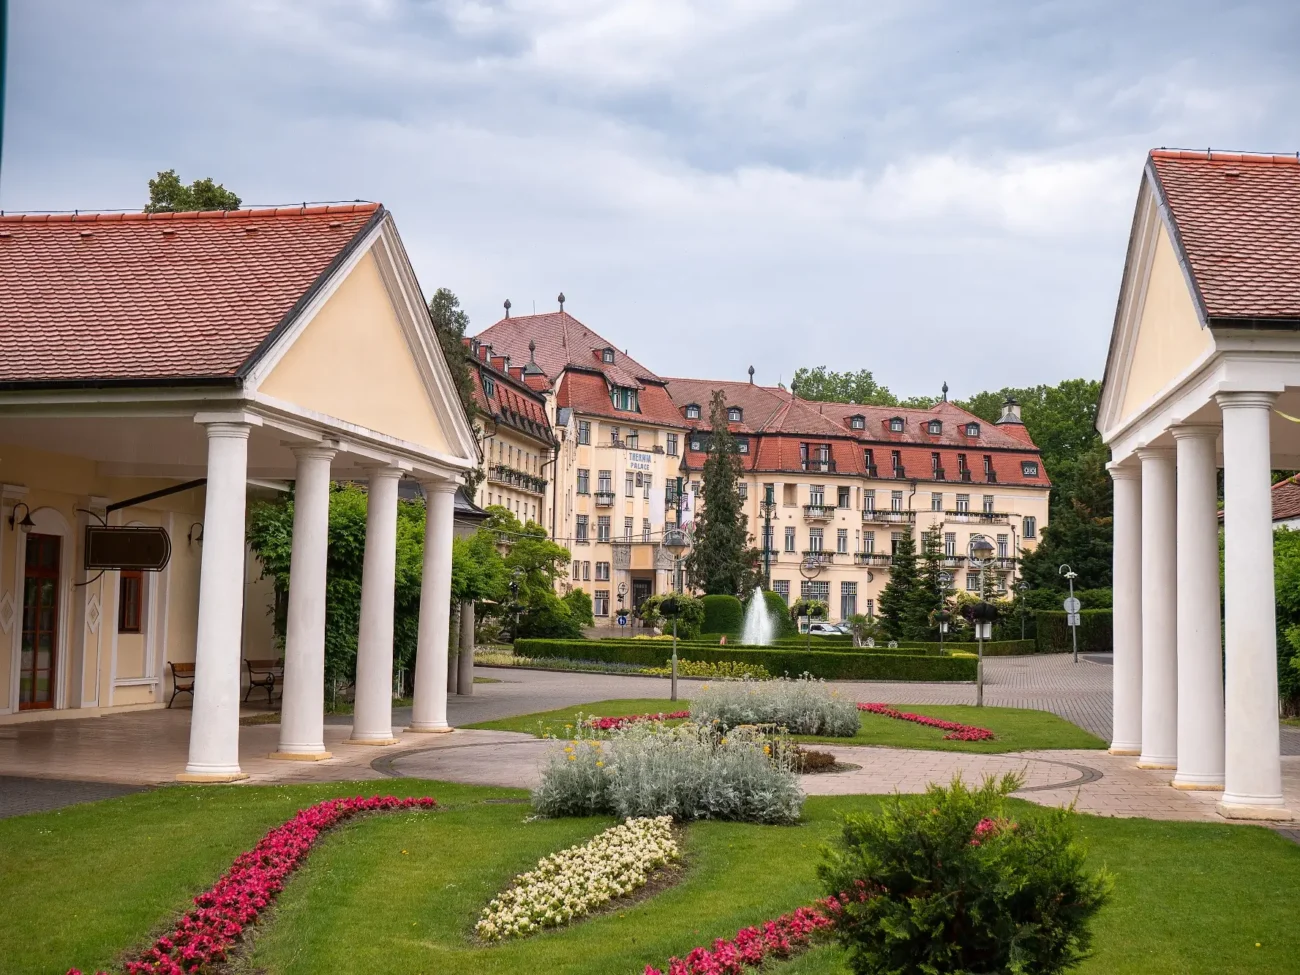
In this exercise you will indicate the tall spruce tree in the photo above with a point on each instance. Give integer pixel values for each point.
(722, 560)
(927, 594)
(896, 597)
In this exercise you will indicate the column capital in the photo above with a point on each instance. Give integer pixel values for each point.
(229, 430)
(1196, 431)
(1155, 453)
(313, 451)
(1245, 400)
(382, 472)
(228, 418)
(438, 485)
(1124, 472)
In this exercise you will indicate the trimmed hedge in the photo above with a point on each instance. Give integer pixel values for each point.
(722, 614)
(1095, 632)
(992, 648)
(829, 665)
(780, 613)
(683, 645)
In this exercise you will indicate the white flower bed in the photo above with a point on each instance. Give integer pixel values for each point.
(581, 879)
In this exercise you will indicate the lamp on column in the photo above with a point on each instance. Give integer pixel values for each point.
(980, 552)
(26, 524)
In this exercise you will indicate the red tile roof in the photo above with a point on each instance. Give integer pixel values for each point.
(512, 403)
(1237, 222)
(563, 342)
(1286, 499)
(122, 298)
(588, 393)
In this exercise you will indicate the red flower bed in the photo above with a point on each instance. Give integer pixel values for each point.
(752, 946)
(956, 731)
(608, 724)
(208, 932)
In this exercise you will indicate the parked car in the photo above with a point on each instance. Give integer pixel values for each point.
(822, 628)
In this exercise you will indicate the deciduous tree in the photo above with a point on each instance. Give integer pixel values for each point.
(167, 194)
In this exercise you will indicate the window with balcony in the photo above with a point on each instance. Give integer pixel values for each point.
(580, 528)
(848, 599)
(672, 445)
(584, 431)
(934, 427)
(842, 541)
(692, 411)
(633, 439)
(869, 500)
(600, 602)
(584, 481)
(645, 529)
(950, 544)
(1029, 468)
(972, 429)
(769, 539)
(1029, 527)
(815, 539)
(896, 424)
(1002, 546)
(963, 503)
(627, 528)
(734, 414)
(789, 538)
(624, 398)
(605, 482)
(782, 588)
(896, 459)
(869, 461)
(895, 540)
(988, 504)
(962, 469)
(936, 464)
(895, 500)
(936, 500)
(816, 495)
(629, 485)
(602, 572)
(868, 542)
(602, 528)
(842, 497)
(988, 464)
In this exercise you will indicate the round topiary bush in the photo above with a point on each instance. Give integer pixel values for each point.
(780, 613)
(722, 614)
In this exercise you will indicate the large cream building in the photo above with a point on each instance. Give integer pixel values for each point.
(845, 481)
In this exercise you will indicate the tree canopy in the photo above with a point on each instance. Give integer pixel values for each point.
(167, 194)
(826, 385)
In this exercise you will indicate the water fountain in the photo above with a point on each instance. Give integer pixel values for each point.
(759, 628)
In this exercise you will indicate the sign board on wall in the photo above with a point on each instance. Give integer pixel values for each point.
(638, 461)
(127, 547)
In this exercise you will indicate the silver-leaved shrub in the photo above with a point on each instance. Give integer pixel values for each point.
(802, 707)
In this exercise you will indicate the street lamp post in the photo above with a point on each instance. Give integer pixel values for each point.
(622, 595)
(944, 579)
(514, 601)
(676, 542)
(810, 568)
(767, 508)
(1022, 587)
(1072, 607)
(980, 552)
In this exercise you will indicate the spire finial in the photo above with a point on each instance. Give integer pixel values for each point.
(561, 301)
(751, 375)
(945, 392)
(507, 308)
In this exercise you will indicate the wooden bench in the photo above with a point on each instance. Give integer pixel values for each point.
(182, 680)
(266, 674)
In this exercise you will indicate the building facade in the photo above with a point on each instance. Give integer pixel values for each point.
(846, 482)
(618, 442)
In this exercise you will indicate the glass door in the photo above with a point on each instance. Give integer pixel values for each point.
(40, 622)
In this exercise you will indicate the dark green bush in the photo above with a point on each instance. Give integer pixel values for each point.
(780, 613)
(955, 885)
(992, 648)
(722, 614)
(827, 664)
(690, 613)
(1095, 632)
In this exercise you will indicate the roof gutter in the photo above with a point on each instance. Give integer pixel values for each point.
(140, 382)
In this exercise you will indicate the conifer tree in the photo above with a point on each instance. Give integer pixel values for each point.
(927, 594)
(722, 560)
(896, 597)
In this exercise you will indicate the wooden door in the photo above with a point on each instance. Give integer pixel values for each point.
(40, 622)
(640, 592)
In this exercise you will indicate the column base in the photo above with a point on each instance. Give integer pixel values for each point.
(371, 741)
(1192, 782)
(300, 756)
(1125, 750)
(1157, 763)
(1260, 813)
(441, 729)
(210, 778)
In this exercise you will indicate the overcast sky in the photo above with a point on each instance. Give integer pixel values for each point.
(931, 190)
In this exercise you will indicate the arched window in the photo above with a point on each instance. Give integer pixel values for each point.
(733, 414)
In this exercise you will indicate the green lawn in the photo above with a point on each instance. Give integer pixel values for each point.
(1017, 729)
(399, 894)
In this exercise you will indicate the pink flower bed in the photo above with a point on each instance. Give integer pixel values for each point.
(608, 724)
(208, 932)
(772, 939)
(956, 731)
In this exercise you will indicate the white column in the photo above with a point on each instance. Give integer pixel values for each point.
(302, 710)
(372, 709)
(429, 708)
(214, 723)
(1253, 767)
(1159, 610)
(1126, 578)
(465, 665)
(1200, 651)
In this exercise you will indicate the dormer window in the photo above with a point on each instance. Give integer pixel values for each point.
(934, 427)
(1029, 468)
(692, 411)
(623, 398)
(734, 414)
(972, 429)
(896, 424)
(489, 386)
(607, 355)
(857, 421)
